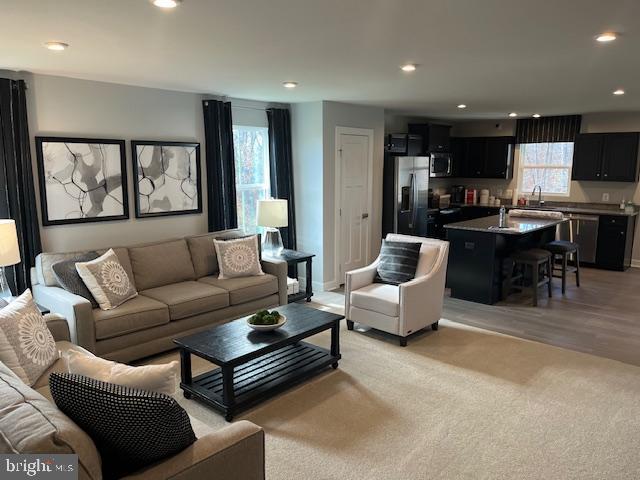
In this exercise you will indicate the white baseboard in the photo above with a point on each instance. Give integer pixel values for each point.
(318, 286)
(635, 263)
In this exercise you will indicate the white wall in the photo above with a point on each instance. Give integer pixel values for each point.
(60, 106)
(307, 151)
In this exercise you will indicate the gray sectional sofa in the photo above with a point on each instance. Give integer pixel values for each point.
(179, 294)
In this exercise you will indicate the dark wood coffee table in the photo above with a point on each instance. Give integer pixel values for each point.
(252, 365)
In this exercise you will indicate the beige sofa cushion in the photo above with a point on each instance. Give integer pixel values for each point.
(31, 424)
(161, 264)
(44, 261)
(186, 299)
(378, 297)
(245, 289)
(203, 252)
(139, 313)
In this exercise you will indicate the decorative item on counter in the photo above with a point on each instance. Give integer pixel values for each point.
(629, 208)
(484, 196)
(470, 196)
(503, 217)
(492, 200)
(496, 202)
(522, 201)
(623, 204)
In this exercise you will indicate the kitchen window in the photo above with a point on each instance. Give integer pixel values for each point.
(251, 152)
(548, 165)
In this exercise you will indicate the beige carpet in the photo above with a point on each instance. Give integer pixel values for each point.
(460, 403)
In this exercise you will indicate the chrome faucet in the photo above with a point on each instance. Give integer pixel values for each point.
(539, 188)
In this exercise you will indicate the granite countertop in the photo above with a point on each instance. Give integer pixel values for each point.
(566, 207)
(516, 226)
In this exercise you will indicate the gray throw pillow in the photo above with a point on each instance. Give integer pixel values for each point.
(107, 280)
(26, 344)
(69, 279)
(238, 258)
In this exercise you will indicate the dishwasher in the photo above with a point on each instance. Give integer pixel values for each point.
(583, 230)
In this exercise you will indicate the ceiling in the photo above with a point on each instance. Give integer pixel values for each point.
(496, 56)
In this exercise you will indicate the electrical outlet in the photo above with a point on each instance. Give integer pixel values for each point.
(605, 197)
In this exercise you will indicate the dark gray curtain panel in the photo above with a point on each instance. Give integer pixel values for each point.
(17, 200)
(221, 175)
(281, 168)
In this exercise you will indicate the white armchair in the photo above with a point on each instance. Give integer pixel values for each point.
(404, 309)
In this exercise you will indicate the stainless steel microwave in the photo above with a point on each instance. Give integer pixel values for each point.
(440, 165)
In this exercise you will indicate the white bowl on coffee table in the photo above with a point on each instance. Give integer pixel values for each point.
(267, 328)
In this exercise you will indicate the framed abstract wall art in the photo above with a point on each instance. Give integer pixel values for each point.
(81, 180)
(166, 178)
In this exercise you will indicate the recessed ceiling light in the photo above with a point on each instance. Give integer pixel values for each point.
(606, 37)
(56, 46)
(618, 92)
(409, 67)
(290, 84)
(513, 114)
(462, 105)
(166, 3)
(536, 115)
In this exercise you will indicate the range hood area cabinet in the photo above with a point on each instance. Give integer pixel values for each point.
(483, 157)
(606, 157)
(435, 137)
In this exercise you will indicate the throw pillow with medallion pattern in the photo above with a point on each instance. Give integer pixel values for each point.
(238, 258)
(107, 280)
(26, 344)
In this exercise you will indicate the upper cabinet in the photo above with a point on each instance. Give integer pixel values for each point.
(435, 137)
(608, 157)
(482, 157)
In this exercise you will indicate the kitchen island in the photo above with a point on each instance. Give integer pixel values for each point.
(479, 253)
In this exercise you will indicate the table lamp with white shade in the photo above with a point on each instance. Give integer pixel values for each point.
(272, 214)
(9, 253)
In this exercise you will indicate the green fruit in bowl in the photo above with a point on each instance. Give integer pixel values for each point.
(265, 317)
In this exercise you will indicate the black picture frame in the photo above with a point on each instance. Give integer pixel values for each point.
(136, 181)
(44, 200)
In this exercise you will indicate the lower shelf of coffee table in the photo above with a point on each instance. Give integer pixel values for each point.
(262, 377)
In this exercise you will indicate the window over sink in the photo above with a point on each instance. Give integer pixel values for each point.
(548, 165)
(251, 152)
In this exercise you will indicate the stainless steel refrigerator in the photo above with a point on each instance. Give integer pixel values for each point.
(406, 195)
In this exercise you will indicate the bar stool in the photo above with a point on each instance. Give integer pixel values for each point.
(534, 258)
(562, 249)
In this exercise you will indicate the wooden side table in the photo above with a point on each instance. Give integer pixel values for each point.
(293, 258)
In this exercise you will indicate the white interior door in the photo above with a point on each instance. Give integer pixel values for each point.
(354, 212)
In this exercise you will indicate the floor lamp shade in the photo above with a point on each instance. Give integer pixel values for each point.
(9, 253)
(9, 249)
(272, 214)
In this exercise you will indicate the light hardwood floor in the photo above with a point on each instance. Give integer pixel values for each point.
(602, 317)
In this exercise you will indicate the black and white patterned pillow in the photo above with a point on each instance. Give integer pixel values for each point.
(68, 277)
(131, 428)
(398, 262)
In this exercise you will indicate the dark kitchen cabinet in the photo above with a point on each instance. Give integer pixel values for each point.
(403, 144)
(482, 157)
(499, 159)
(620, 157)
(435, 137)
(615, 242)
(587, 157)
(609, 157)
